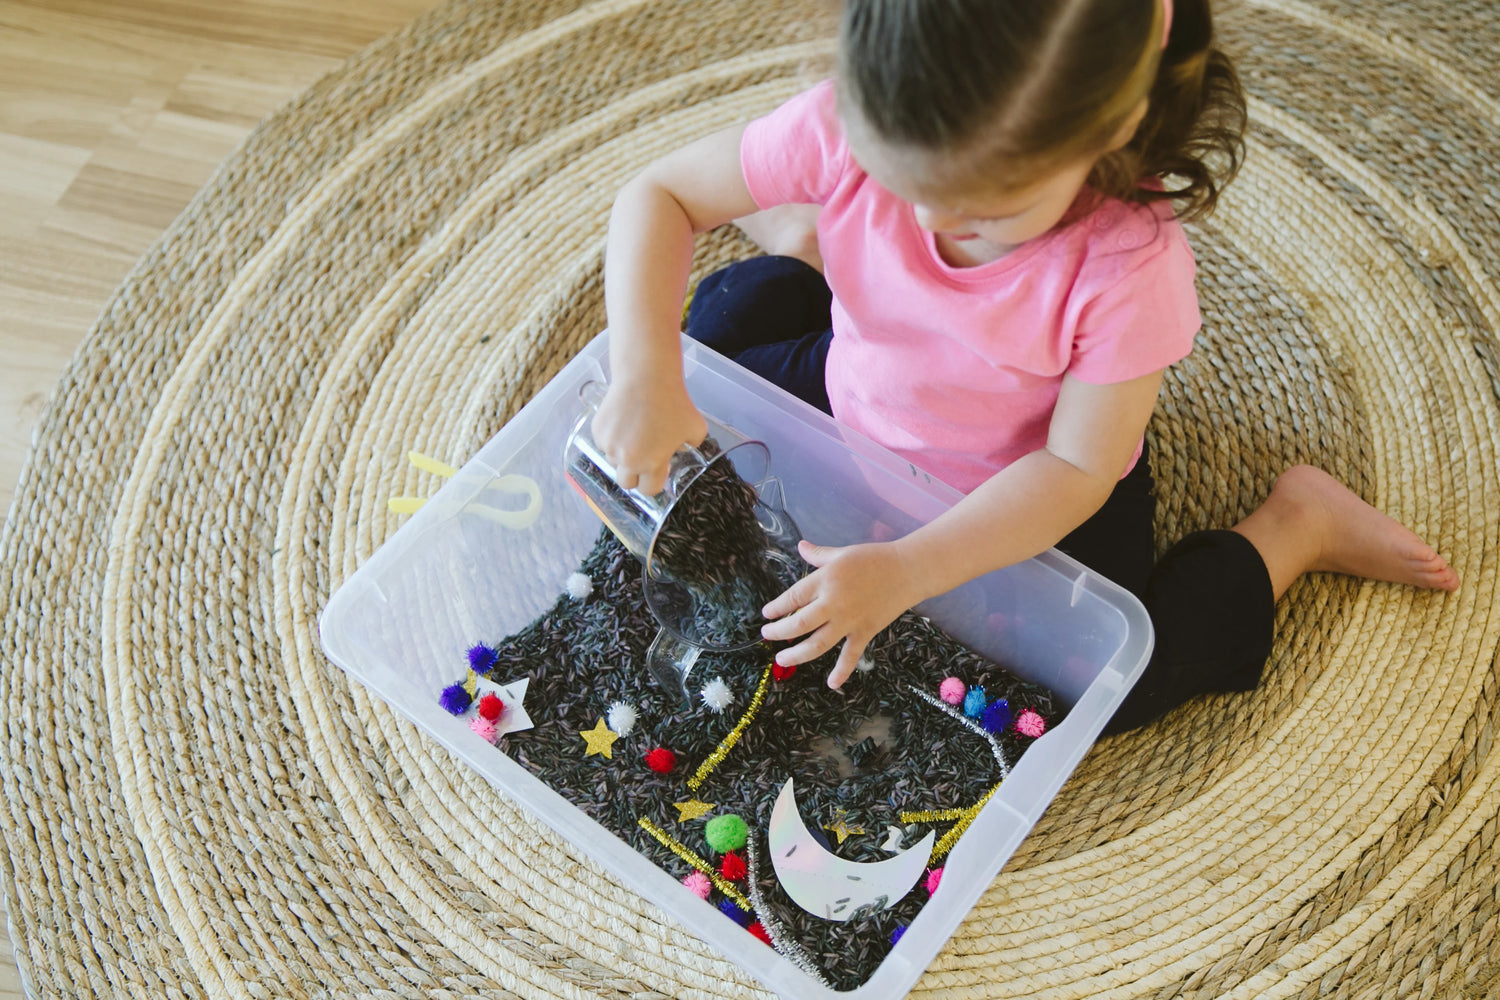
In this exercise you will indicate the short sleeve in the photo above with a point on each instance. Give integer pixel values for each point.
(797, 153)
(1143, 313)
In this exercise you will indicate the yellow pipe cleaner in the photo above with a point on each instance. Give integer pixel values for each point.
(727, 744)
(946, 842)
(937, 815)
(720, 882)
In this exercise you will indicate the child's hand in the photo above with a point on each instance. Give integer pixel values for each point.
(856, 591)
(640, 423)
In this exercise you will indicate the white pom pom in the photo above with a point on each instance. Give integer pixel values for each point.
(865, 665)
(716, 694)
(620, 718)
(579, 587)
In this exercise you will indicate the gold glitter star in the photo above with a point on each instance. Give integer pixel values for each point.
(840, 827)
(600, 740)
(693, 809)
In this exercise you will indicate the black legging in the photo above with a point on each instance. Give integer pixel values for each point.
(1209, 596)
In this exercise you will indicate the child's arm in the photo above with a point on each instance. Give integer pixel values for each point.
(646, 414)
(1022, 510)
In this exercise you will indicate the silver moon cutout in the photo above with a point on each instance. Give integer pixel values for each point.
(827, 885)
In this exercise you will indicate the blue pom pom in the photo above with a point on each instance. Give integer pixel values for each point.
(733, 912)
(974, 702)
(482, 658)
(996, 716)
(896, 934)
(455, 699)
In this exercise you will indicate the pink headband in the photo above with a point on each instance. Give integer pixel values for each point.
(1166, 16)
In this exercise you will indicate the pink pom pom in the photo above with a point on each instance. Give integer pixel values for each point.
(1029, 723)
(698, 884)
(952, 690)
(484, 728)
(934, 878)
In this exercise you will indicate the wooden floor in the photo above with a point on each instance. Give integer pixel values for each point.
(112, 114)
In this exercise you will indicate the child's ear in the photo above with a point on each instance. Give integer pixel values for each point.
(1127, 128)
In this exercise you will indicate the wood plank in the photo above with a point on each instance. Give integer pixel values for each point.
(112, 116)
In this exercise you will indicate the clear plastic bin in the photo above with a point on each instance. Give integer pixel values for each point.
(487, 555)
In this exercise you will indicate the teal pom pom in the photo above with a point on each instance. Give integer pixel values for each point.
(726, 833)
(974, 702)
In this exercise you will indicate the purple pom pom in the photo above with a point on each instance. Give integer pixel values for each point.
(896, 934)
(730, 909)
(455, 699)
(996, 716)
(482, 658)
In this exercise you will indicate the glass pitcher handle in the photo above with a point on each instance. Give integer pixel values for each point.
(670, 660)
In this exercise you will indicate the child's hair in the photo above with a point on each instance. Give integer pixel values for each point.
(1010, 87)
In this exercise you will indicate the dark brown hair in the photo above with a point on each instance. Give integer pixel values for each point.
(1018, 85)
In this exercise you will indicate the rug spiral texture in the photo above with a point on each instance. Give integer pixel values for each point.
(201, 805)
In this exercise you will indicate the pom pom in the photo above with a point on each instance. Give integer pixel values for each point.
(726, 833)
(490, 707)
(934, 878)
(580, 586)
(974, 702)
(716, 694)
(896, 934)
(455, 699)
(864, 664)
(759, 930)
(996, 716)
(484, 728)
(952, 690)
(731, 910)
(1030, 723)
(482, 658)
(783, 673)
(661, 760)
(621, 718)
(699, 884)
(733, 867)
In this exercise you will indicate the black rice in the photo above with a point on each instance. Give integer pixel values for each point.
(871, 750)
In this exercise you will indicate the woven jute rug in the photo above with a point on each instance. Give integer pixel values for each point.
(201, 805)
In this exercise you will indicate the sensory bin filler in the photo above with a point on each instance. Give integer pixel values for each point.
(595, 653)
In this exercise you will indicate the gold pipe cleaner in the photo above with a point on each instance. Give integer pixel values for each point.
(682, 851)
(946, 842)
(727, 744)
(937, 815)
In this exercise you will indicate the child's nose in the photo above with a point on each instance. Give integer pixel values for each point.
(935, 219)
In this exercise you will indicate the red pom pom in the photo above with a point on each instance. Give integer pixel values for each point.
(759, 932)
(733, 867)
(490, 707)
(661, 760)
(783, 673)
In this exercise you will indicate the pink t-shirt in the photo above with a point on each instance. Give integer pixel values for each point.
(958, 369)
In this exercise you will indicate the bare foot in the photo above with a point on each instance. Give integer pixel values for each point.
(1313, 522)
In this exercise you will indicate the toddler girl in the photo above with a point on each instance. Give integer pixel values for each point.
(997, 187)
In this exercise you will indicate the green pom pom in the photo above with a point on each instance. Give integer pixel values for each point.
(726, 833)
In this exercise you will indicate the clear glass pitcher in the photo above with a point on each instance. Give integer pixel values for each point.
(691, 623)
